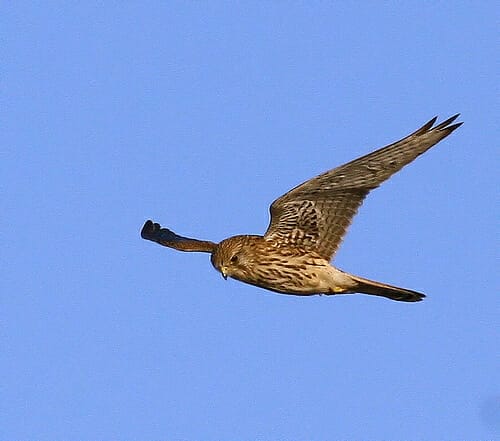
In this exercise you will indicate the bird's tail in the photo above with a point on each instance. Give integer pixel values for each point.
(366, 286)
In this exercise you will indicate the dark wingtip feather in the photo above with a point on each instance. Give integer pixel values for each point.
(148, 230)
(431, 122)
(453, 127)
(446, 124)
(154, 231)
(426, 127)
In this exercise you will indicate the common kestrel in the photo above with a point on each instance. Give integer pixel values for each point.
(307, 226)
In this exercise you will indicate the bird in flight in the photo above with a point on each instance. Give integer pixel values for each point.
(307, 226)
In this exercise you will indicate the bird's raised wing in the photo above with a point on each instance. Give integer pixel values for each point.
(316, 214)
(163, 236)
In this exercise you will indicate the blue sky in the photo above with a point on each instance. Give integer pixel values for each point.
(198, 115)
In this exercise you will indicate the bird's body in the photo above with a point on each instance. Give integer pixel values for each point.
(307, 226)
(281, 269)
(292, 270)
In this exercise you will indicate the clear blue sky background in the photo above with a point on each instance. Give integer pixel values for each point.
(198, 115)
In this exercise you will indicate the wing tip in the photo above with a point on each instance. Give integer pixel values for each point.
(154, 231)
(444, 126)
(148, 229)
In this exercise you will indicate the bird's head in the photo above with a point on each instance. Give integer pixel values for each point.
(233, 256)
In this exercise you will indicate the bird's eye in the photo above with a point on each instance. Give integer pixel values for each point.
(234, 259)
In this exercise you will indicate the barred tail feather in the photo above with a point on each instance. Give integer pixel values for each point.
(366, 286)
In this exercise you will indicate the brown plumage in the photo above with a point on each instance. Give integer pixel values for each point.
(307, 226)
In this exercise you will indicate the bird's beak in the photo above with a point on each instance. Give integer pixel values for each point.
(224, 273)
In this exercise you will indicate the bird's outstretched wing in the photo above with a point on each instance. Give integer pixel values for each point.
(316, 214)
(163, 236)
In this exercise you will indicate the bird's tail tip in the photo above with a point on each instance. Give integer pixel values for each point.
(366, 286)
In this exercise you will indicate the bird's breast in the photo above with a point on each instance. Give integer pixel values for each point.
(287, 273)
